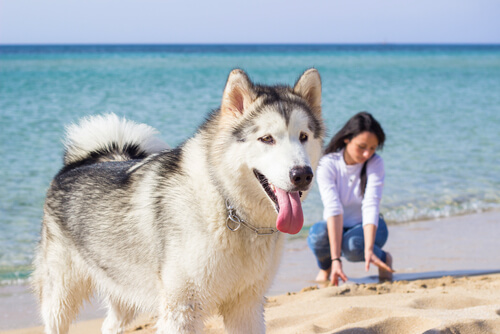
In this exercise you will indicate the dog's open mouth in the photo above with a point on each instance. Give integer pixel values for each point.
(267, 188)
(287, 204)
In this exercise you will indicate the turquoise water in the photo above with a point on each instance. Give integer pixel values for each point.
(439, 106)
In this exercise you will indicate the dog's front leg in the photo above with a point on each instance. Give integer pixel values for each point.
(180, 316)
(244, 316)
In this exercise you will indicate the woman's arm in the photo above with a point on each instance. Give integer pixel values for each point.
(335, 226)
(371, 209)
(326, 176)
(373, 193)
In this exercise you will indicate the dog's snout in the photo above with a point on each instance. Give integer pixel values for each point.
(301, 177)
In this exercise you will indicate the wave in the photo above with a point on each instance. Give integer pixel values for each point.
(428, 210)
(14, 275)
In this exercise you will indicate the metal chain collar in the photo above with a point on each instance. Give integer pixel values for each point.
(233, 219)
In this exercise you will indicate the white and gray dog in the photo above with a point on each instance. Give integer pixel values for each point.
(186, 232)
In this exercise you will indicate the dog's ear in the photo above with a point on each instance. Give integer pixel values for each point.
(238, 94)
(309, 87)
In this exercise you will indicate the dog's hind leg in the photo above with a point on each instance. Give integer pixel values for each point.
(118, 317)
(61, 298)
(59, 284)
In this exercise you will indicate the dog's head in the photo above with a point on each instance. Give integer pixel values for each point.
(276, 135)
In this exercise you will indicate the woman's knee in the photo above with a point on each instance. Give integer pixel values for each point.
(353, 249)
(382, 233)
(318, 236)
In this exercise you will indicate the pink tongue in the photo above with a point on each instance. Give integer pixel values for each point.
(290, 218)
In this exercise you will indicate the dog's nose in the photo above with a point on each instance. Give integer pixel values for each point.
(301, 177)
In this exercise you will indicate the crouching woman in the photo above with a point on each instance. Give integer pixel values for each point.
(351, 177)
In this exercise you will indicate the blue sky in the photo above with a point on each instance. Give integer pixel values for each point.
(251, 21)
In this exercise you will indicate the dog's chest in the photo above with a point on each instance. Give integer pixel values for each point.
(253, 263)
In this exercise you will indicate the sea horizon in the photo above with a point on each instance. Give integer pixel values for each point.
(242, 47)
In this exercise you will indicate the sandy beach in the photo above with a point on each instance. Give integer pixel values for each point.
(447, 281)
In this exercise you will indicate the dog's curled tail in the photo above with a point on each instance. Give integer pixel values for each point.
(109, 138)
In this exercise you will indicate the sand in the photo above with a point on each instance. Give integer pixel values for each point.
(441, 286)
(441, 305)
(448, 305)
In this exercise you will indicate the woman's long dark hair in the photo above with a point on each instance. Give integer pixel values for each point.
(357, 124)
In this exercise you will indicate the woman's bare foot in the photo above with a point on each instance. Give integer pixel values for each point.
(323, 275)
(385, 275)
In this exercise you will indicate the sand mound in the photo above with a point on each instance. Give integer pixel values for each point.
(445, 305)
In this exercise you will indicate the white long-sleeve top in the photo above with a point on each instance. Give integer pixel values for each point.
(339, 186)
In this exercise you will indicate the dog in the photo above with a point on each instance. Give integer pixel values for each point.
(183, 232)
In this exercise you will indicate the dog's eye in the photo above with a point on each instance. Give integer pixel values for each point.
(268, 139)
(303, 137)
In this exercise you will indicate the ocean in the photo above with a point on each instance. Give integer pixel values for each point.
(438, 104)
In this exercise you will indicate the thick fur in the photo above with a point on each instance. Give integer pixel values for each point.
(145, 227)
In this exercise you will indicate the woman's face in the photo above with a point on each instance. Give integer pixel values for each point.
(360, 148)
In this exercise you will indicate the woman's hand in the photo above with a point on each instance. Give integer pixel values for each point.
(369, 232)
(337, 273)
(370, 257)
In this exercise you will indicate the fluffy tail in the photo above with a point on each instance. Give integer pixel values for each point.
(109, 138)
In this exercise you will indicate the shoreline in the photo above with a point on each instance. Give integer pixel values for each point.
(460, 246)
